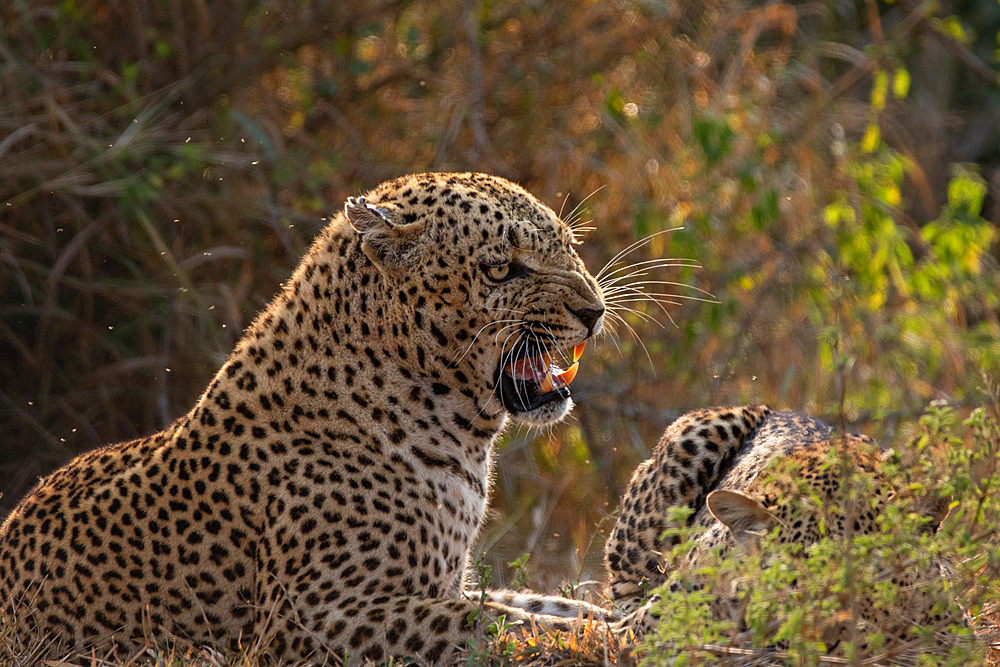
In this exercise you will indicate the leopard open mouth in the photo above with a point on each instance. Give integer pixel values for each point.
(528, 383)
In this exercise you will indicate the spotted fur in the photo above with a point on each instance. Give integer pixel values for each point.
(712, 462)
(322, 495)
(741, 517)
(693, 454)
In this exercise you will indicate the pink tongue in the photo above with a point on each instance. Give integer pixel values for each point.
(541, 370)
(530, 368)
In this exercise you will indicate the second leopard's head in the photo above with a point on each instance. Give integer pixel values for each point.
(497, 293)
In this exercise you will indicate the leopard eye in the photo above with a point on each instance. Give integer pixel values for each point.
(498, 273)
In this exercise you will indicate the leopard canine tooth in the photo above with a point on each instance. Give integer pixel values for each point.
(578, 351)
(567, 376)
(555, 377)
(545, 386)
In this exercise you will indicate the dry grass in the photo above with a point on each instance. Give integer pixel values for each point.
(593, 645)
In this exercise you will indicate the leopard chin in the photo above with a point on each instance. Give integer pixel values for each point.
(546, 414)
(528, 405)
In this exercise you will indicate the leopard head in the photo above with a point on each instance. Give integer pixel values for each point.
(489, 286)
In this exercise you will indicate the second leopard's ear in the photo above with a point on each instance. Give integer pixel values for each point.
(390, 242)
(743, 515)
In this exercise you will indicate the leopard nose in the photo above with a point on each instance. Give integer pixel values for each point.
(589, 317)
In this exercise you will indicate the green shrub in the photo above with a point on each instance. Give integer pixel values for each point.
(799, 603)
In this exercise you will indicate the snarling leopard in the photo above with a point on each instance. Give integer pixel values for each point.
(321, 497)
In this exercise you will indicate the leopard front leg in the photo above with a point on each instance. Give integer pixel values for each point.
(544, 605)
(428, 630)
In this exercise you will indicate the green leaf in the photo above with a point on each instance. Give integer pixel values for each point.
(900, 83)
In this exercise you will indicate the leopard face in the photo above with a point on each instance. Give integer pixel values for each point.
(321, 497)
(507, 295)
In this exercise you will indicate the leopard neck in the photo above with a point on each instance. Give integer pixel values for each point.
(343, 349)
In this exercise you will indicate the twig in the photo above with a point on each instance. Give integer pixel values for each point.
(980, 69)
(477, 113)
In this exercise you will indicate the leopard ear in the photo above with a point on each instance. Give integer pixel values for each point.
(390, 243)
(742, 514)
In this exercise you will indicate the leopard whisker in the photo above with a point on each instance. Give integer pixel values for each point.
(611, 325)
(639, 297)
(497, 390)
(523, 343)
(645, 317)
(504, 355)
(496, 336)
(643, 280)
(615, 316)
(617, 295)
(657, 298)
(612, 322)
(643, 297)
(632, 297)
(639, 285)
(646, 265)
(632, 285)
(483, 328)
(563, 206)
(629, 250)
(569, 218)
(511, 354)
(559, 350)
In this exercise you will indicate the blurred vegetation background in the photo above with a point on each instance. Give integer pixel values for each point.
(834, 167)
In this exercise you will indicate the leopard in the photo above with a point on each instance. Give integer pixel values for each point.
(321, 498)
(715, 463)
